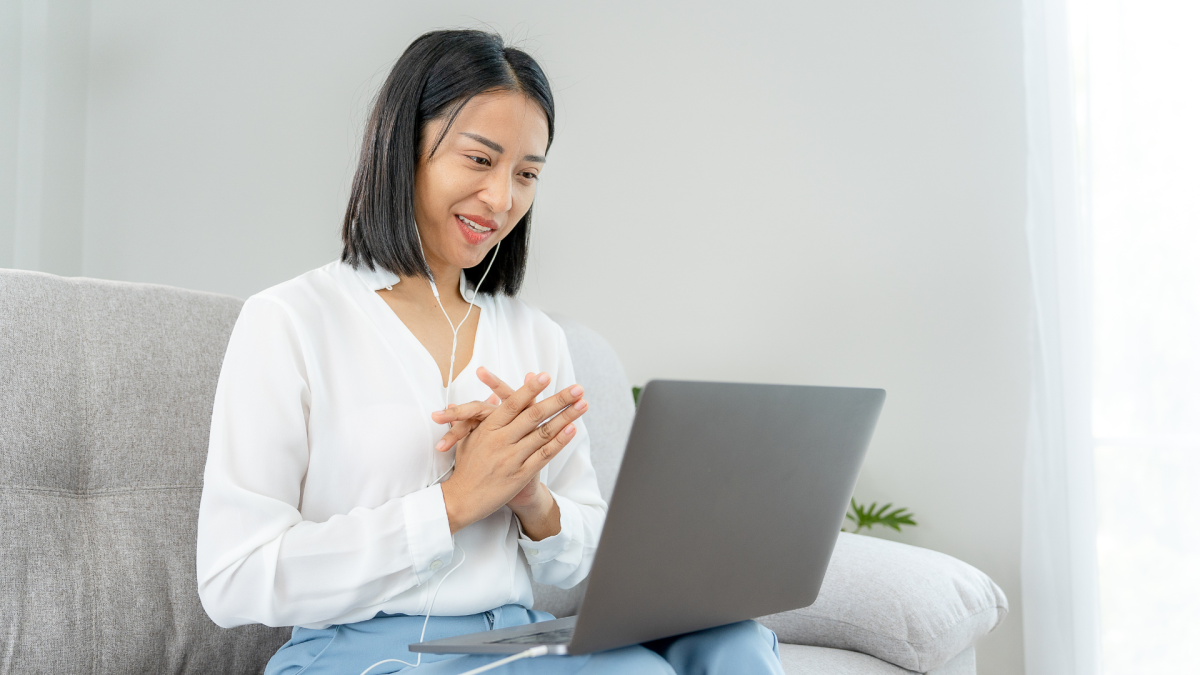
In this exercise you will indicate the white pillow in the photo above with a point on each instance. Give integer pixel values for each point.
(909, 606)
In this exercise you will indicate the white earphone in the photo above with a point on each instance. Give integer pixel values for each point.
(438, 298)
(453, 328)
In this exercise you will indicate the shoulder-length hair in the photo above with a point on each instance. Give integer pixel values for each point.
(435, 77)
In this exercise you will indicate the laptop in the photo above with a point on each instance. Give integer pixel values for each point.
(727, 507)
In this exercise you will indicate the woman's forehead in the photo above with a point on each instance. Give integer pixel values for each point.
(507, 118)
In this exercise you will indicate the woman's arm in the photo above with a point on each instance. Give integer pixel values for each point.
(257, 559)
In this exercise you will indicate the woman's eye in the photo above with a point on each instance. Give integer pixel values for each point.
(483, 161)
(529, 175)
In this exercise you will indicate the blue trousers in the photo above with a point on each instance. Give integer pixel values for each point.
(349, 649)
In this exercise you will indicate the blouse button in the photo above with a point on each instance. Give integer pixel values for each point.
(533, 551)
(435, 565)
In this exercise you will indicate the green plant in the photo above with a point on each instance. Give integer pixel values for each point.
(870, 516)
(637, 391)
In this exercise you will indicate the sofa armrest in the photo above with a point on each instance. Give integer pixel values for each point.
(908, 606)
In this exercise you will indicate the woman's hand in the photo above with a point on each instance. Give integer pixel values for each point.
(498, 461)
(463, 419)
(534, 504)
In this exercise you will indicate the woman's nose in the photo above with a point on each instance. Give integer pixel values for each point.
(497, 192)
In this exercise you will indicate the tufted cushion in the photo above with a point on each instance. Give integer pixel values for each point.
(106, 393)
(909, 606)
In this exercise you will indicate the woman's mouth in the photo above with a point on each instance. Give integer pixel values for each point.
(474, 232)
(473, 226)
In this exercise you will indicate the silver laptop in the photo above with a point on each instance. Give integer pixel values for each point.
(727, 507)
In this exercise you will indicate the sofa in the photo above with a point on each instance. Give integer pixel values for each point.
(106, 392)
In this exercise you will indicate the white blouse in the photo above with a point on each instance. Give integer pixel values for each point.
(321, 503)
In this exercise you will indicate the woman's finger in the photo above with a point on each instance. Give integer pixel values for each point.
(498, 386)
(458, 431)
(476, 410)
(537, 413)
(516, 404)
(547, 432)
(538, 459)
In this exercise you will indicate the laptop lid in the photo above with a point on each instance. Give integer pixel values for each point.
(727, 507)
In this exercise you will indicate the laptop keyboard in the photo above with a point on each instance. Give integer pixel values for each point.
(561, 636)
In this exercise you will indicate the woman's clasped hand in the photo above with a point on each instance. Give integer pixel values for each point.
(503, 444)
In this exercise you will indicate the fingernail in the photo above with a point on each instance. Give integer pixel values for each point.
(543, 379)
(569, 430)
(441, 445)
(580, 404)
(577, 390)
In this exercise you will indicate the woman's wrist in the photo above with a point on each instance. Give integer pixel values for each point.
(542, 518)
(455, 511)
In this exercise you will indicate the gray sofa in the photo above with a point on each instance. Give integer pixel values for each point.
(105, 396)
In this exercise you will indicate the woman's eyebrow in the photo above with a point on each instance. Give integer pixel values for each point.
(486, 141)
(541, 159)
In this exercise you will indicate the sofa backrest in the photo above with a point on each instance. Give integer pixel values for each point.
(106, 392)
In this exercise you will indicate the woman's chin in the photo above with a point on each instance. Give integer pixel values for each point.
(467, 262)
(474, 255)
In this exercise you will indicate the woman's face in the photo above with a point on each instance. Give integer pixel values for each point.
(481, 180)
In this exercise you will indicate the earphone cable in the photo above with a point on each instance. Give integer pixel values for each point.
(437, 297)
(425, 625)
(449, 382)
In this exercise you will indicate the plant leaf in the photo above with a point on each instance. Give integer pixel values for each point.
(866, 517)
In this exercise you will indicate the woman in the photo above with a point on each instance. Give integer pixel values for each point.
(336, 499)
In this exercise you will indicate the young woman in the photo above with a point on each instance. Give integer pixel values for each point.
(359, 486)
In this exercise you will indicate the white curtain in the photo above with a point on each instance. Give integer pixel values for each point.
(1058, 559)
(1142, 85)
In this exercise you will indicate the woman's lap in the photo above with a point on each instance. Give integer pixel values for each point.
(349, 649)
(744, 647)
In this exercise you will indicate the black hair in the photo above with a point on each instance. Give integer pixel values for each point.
(435, 77)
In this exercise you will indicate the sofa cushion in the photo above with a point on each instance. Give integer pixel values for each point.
(806, 660)
(909, 606)
(809, 660)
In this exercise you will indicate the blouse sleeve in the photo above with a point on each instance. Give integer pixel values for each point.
(257, 559)
(565, 559)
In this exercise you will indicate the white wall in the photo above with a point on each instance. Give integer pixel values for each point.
(43, 107)
(815, 192)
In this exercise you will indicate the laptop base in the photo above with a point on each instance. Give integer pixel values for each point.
(555, 636)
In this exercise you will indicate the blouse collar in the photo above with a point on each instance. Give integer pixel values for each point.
(379, 277)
